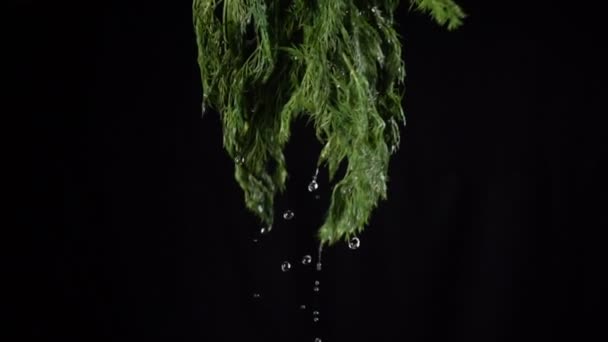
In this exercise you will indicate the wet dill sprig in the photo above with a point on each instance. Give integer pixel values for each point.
(337, 63)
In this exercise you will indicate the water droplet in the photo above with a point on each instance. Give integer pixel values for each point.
(317, 283)
(288, 215)
(255, 240)
(307, 259)
(256, 295)
(204, 106)
(302, 307)
(239, 159)
(315, 319)
(318, 339)
(320, 253)
(285, 266)
(315, 313)
(346, 190)
(313, 185)
(265, 230)
(354, 243)
(316, 289)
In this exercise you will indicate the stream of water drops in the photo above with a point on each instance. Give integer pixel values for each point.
(307, 259)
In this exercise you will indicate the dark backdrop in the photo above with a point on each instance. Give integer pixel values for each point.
(140, 233)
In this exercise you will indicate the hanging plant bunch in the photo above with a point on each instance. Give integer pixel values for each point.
(337, 63)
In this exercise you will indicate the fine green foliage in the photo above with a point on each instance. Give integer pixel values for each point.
(337, 63)
(443, 11)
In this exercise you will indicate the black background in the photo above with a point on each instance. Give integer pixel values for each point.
(139, 229)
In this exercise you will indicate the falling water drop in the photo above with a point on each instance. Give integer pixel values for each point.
(354, 243)
(255, 240)
(318, 339)
(302, 307)
(265, 230)
(313, 185)
(256, 295)
(317, 283)
(307, 259)
(285, 266)
(315, 319)
(316, 289)
(315, 313)
(239, 159)
(288, 215)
